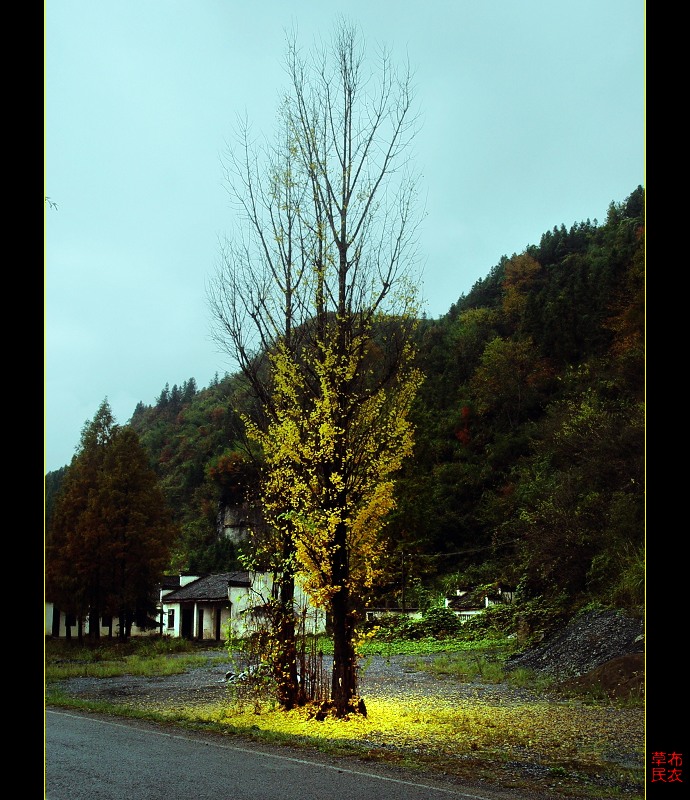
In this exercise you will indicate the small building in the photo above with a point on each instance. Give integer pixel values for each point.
(60, 624)
(210, 607)
(467, 603)
(203, 607)
(381, 612)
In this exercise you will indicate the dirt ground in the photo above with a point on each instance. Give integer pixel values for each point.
(402, 676)
(619, 678)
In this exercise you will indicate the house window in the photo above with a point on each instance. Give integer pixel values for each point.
(171, 618)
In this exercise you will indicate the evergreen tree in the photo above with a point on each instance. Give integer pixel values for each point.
(139, 530)
(110, 530)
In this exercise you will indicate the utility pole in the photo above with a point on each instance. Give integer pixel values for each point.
(402, 598)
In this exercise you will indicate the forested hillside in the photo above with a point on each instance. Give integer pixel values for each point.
(529, 456)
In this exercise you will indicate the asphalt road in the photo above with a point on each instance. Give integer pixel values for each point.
(91, 757)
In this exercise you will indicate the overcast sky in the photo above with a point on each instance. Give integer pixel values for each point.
(532, 116)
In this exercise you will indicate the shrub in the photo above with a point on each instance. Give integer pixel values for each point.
(392, 627)
(439, 622)
(494, 622)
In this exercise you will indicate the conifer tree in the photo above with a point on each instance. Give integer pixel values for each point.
(111, 531)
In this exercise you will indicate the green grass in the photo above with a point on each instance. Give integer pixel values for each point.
(522, 678)
(464, 667)
(428, 645)
(484, 665)
(110, 659)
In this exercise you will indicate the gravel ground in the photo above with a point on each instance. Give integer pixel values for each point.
(586, 643)
(397, 676)
(584, 646)
(394, 676)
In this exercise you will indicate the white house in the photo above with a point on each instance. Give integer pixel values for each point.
(201, 607)
(468, 603)
(57, 622)
(208, 607)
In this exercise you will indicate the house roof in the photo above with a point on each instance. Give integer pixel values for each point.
(468, 601)
(474, 598)
(210, 587)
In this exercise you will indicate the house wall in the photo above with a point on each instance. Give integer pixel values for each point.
(175, 629)
(463, 616)
(244, 599)
(49, 617)
(236, 613)
(210, 614)
(381, 613)
(229, 616)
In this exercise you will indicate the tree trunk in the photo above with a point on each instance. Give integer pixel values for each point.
(344, 679)
(122, 632)
(288, 692)
(94, 624)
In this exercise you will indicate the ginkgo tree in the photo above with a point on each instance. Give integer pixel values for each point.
(316, 298)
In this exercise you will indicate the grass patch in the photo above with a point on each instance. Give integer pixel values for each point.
(111, 659)
(427, 645)
(484, 665)
(466, 666)
(522, 678)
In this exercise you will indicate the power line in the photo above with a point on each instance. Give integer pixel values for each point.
(463, 552)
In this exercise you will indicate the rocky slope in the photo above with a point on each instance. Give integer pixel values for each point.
(598, 649)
